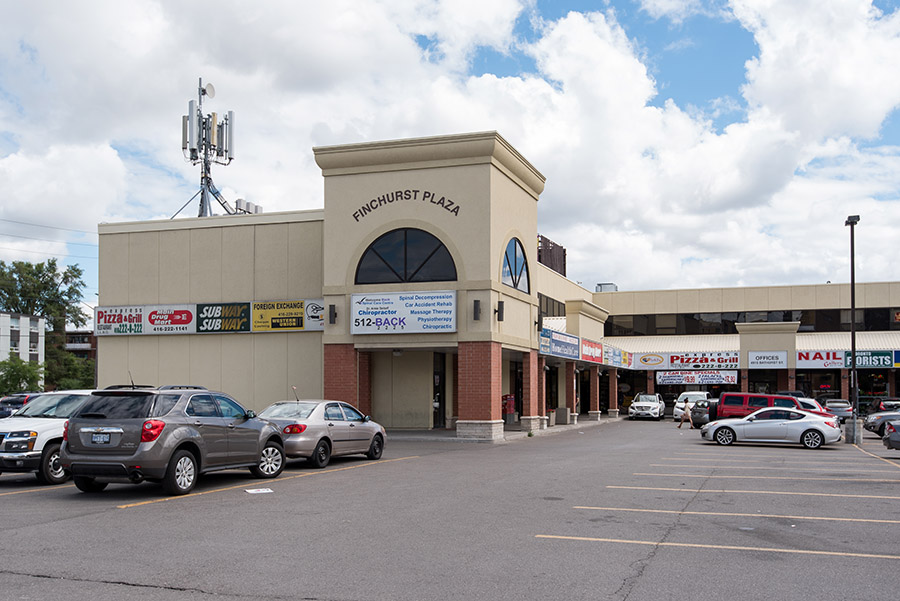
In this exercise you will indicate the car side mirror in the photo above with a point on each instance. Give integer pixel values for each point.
(367, 419)
(751, 419)
(250, 414)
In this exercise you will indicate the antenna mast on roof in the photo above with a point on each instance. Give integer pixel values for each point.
(204, 141)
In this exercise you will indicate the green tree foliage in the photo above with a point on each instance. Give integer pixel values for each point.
(42, 289)
(19, 376)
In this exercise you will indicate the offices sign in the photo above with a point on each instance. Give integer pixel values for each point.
(430, 312)
(767, 360)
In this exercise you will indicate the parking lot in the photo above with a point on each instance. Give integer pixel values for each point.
(620, 510)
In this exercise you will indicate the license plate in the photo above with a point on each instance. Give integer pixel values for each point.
(100, 438)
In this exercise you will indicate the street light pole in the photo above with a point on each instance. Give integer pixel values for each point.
(851, 433)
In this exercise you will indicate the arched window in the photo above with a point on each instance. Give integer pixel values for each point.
(405, 255)
(515, 267)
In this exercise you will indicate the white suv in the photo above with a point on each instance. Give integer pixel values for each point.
(30, 437)
(647, 405)
(686, 400)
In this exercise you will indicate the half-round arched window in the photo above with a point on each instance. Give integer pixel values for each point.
(405, 255)
(515, 267)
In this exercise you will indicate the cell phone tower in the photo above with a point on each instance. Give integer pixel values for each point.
(206, 140)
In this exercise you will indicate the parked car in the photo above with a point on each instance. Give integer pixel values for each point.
(891, 438)
(30, 438)
(794, 393)
(647, 405)
(170, 434)
(840, 407)
(775, 424)
(700, 413)
(13, 402)
(876, 422)
(879, 404)
(318, 430)
(741, 404)
(688, 399)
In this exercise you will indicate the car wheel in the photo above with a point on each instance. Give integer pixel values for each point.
(85, 484)
(271, 461)
(725, 436)
(181, 474)
(376, 448)
(50, 471)
(811, 439)
(321, 455)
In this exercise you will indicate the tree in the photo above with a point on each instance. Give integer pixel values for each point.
(17, 375)
(41, 289)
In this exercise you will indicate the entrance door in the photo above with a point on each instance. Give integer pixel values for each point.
(439, 403)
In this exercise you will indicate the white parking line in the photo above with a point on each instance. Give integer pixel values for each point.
(741, 515)
(768, 478)
(766, 467)
(758, 492)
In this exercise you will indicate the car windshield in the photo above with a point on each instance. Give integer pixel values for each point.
(52, 405)
(645, 398)
(289, 410)
(116, 406)
(838, 404)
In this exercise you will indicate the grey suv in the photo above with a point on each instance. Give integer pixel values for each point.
(170, 434)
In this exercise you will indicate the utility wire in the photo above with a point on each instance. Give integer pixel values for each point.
(48, 240)
(45, 253)
(52, 227)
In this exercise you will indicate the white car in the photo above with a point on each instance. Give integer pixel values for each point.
(775, 424)
(688, 398)
(647, 405)
(30, 438)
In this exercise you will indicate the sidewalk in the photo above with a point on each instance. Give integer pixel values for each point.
(510, 432)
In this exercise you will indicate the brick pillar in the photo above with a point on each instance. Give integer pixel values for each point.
(792, 381)
(891, 382)
(479, 391)
(745, 380)
(570, 390)
(613, 392)
(455, 391)
(651, 382)
(542, 386)
(364, 382)
(341, 375)
(531, 414)
(594, 407)
(845, 384)
(782, 380)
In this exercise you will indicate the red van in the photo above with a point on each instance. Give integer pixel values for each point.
(740, 404)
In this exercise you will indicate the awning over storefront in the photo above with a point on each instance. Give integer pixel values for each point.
(676, 344)
(840, 341)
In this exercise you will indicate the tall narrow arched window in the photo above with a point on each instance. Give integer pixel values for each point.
(515, 267)
(405, 255)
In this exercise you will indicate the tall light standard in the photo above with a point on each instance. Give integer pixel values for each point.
(851, 436)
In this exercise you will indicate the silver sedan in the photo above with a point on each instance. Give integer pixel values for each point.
(775, 424)
(319, 430)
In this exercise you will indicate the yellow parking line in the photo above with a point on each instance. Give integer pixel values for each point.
(280, 479)
(717, 547)
(888, 461)
(759, 492)
(741, 515)
(47, 488)
(767, 477)
(765, 467)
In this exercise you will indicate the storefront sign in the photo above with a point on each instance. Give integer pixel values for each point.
(767, 359)
(678, 361)
(591, 351)
(617, 357)
(223, 317)
(409, 195)
(820, 359)
(431, 312)
(868, 359)
(896, 358)
(285, 316)
(170, 319)
(560, 344)
(110, 321)
(697, 377)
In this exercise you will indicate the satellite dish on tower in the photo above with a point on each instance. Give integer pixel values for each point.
(210, 90)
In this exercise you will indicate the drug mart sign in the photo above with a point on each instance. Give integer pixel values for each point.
(430, 312)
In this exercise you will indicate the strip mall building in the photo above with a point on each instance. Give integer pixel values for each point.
(417, 294)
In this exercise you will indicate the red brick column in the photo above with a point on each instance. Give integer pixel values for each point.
(364, 382)
(845, 384)
(456, 386)
(530, 380)
(595, 389)
(892, 382)
(792, 381)
(479, 381)
(651, 382)
(745, 380)
(542, 386)
(613, 391)
(340, 373)
(570, 386)
(782, 380)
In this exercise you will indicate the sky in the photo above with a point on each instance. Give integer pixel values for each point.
(686, 143)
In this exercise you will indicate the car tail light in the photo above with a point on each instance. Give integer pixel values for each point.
(151, 430)
(294, 429)
(831, 423)
(66, 431)
(890, 429)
